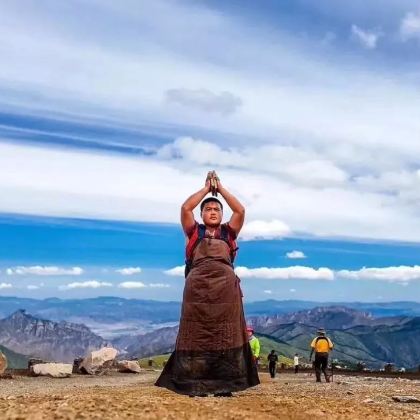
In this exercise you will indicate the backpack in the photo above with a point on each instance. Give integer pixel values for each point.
(322, 337)
(199, 234)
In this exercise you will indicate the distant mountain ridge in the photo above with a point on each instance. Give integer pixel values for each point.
(48, 340)
(111, 310)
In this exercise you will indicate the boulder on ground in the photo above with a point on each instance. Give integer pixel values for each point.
(129, 366)
(98, 361)
(3, 363)
(54, 370)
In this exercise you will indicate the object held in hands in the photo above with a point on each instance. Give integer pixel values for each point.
(213, 178)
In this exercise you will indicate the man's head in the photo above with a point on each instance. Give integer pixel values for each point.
(250, 331)
(211, 212)
(321, 331)
(273, 351)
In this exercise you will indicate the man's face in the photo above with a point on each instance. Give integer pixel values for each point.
(249, 334)
(212, 214)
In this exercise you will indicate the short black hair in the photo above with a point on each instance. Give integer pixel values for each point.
(210, 200)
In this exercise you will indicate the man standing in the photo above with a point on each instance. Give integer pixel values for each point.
(322, 346)
(212, 354)
(296, 363)
(254, 344)
(272, 361)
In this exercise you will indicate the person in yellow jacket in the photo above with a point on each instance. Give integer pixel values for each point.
(322, 346)
(254, 343)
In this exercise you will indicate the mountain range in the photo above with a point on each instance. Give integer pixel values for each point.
(111, 317)
(358, 335)
(54, 341)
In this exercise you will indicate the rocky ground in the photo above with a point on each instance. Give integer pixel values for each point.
(121, 396)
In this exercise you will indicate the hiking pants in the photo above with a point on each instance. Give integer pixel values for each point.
(272, 369)
(321, 364)
(296, 368)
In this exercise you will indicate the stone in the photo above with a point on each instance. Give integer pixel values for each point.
(368, 401)
(129, 366)
(54, 370)
(3, 363)
(98, 361)
(405, 399)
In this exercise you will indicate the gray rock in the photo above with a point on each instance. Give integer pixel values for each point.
(405, 399)
(54, 370)
(368, 401)
(129, 366)
(97, 362)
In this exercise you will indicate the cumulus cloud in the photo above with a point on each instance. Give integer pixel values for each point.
(132, 285)
(38, 270)
(178, 271)
(268, 292)
(295, 255)
(410, 26)
(398, 274)
(368, 39)
(292, 290)
(286, 273)
(5, 286)
(260, 229)
(304, 167)
(224, 103)
(128, 271)
(90, 284)
(159, 285)
(32, 287)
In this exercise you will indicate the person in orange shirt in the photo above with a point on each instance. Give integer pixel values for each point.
(322, 346)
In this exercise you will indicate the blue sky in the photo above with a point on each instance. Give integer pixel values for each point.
(111, 114)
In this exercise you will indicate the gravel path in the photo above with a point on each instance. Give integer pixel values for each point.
(133, 396)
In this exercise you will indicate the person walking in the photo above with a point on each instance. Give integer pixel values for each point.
(322, 346)
(254, 344)
(296, 363)
(212, 353)
(272, 363)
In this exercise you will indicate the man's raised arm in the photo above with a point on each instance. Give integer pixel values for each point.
(187, 215)
(237, 220)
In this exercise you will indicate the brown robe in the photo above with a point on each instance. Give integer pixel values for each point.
(212, 353)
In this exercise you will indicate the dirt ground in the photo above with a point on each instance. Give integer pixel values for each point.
(123, 396)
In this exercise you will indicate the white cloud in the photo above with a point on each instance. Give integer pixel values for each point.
(400, 274)
(132, 285)
(268, 292)
(159, 285)
(368, 39)
(128, 271)
(178, 271)
(313, 127)
(38, 270)
(5, 286)
(260, 229)
(90, 284)
(32, 287)
(410, 26)
(286, 273)
(204, 100)
(295, 255)
(301, 166)
(292, 290)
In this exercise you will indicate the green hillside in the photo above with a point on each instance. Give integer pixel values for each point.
(374, 345)
(14, 360)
